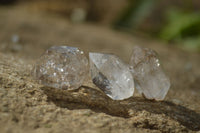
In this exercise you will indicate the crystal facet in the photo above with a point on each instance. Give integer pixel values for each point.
(61, 67)
(149, 77)
(111, 75)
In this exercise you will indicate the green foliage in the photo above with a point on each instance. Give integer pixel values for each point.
(192, 43)
(135, 13)
(182, 27)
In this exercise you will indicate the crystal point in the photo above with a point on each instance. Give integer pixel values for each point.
(149, 77)
(61, 67)
(111, 75)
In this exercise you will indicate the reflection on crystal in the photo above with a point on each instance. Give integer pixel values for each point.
(150, 79)
(111, 75)
(61, 67)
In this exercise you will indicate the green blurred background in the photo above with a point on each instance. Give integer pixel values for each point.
(176, 22)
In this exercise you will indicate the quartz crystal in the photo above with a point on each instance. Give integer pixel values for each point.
(149, 77)
(111, 75)
(61, 67)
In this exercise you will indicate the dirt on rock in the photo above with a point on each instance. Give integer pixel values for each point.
(27, 106)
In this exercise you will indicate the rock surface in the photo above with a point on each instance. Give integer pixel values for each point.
(27, 106)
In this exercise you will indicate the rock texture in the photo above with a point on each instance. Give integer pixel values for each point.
(27, 106)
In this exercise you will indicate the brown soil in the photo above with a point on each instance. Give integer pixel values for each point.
(27, 106)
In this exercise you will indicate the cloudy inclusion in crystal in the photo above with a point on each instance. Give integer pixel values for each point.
(61, 67)
(149, 77)
(111, 75)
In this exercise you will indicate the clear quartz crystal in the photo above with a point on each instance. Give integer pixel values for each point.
(61, 67)
(111, 75)
(149, 77)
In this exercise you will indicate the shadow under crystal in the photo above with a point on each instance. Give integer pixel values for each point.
(90, 98)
